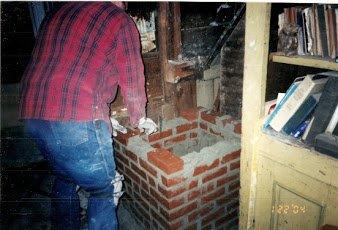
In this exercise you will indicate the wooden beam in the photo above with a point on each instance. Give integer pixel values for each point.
(257, 30)
(163, 41)
(177, 43)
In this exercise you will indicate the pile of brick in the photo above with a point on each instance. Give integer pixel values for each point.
(193, 191)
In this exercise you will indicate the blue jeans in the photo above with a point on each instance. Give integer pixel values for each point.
(80, 153)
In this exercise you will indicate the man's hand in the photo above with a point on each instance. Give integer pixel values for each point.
(117, 127)
(147, 125)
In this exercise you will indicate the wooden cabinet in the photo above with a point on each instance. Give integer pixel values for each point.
(284, 184)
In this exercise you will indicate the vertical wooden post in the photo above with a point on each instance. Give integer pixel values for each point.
(163, 40)
(176, 29)
(257, 29)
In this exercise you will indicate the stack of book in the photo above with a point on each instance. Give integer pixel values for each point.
(317, 29)
(309, 111)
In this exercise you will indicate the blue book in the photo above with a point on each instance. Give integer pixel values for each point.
(301, 114)
(300, 129)
(288, 93)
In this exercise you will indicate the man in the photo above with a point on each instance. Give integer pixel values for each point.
(82, 53)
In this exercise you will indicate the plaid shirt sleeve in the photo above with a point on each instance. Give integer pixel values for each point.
(131, 71)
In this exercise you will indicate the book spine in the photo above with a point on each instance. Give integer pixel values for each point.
(324, 110)
(300, 115)
(306, 87)
(300, 129)
(288, 93)
(322, 30)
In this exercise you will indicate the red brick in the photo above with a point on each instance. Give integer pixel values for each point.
(231, 156)
(208, 117)
(186, 127)
(228, 198)
(122, 158)
(225, 180)
(193, 194)
(193, 135)
(172, 181)
(151, 200)
(193, 184)
(213, 216)
(175, 226)
(226, 218)
(174, 140)
(123, 138)
(235, 165)
(238, 128)
(165, 160)
(208, 227)
(116, 146)
(201, 169)
(160, 135)
(214, 132)
(203, 126)
(151, 181)
(157, 145)
(234, 186)
(218, 173)
(232, 206)
(181, 212)
(159, 219)
(206, 210)
(131, 155)
(191, 227)
(213, 196)
(193, 216)
(136, 188)
(132, 175)
(208, 188)
(119, 165)
(174, 203)
(138, 170)
(190, 114)
(147, 167)
(171, 193)
(144, 185)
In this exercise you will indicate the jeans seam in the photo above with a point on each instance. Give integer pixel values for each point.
(99, 137)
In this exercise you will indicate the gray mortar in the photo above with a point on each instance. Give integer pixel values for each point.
(173, 123)
(139, 146)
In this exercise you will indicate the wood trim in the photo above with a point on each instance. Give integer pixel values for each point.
(177, 42)
(257, 30)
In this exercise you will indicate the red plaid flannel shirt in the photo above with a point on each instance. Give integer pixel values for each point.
(82, 53)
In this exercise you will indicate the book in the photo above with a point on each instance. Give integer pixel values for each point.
(308, 22)
(325, 108)
(301, 114)
(332, 33)
(308, 127)
(336, 14)
(310, 85)
(288, 93)
(322, 30)
(333, 122)
(300, 129)
(327, 143)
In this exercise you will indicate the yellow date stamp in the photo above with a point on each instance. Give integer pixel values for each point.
(288, 209)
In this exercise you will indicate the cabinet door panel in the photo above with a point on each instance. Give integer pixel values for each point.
(293, 211)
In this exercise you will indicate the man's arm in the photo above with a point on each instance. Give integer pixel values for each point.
(131, 71)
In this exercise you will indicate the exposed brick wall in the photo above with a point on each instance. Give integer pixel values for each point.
(232, 64)
(194, 191)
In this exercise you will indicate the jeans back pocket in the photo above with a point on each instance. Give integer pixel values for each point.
(70, 133)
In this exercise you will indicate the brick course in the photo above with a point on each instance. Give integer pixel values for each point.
(160, 191)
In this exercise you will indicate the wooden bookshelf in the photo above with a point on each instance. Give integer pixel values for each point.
(278, 170)
(309, 61)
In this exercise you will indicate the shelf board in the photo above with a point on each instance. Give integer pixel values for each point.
(309, 61)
